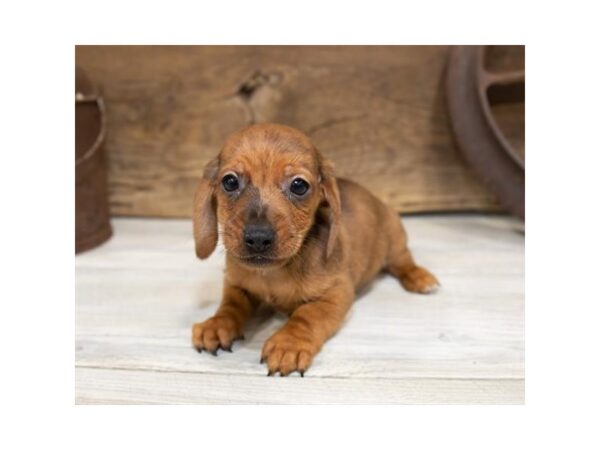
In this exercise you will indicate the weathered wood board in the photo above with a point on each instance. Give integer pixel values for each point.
(377, 111)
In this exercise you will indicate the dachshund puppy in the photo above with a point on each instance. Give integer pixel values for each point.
(297, 238)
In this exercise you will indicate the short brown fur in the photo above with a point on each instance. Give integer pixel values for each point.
(328, 244)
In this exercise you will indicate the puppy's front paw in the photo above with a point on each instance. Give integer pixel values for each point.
(418, 279)
(286, 353)
(214, 333)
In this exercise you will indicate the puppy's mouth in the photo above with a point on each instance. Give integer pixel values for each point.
(259, 260)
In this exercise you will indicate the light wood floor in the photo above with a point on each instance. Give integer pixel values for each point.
(138, 295)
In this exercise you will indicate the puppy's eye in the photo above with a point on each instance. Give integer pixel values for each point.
(299, 187)
(230, 183)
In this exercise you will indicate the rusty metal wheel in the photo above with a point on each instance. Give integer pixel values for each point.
(471, 90)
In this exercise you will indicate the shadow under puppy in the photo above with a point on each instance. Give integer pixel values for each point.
(297, 238)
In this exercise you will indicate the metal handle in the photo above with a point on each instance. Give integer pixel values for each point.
(82, 98)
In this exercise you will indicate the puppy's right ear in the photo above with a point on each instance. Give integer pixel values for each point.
(205, 211)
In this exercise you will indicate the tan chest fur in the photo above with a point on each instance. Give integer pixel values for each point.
(277, 287)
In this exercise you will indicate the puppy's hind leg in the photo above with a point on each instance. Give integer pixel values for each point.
(401, 265)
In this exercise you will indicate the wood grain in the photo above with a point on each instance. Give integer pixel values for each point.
(138, 295)
(97, 386)
(377, 112)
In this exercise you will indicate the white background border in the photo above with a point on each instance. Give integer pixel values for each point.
(37, 185)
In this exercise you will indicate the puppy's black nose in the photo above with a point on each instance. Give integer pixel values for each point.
(259, 237)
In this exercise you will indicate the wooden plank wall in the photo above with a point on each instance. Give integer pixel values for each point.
(377, 112)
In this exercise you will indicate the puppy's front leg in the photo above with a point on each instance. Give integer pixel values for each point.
(294, 345)
(227, 324)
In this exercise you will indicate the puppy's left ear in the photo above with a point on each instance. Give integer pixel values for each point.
(331, 194)
(205, 214)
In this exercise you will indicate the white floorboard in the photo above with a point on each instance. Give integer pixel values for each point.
(138, 295)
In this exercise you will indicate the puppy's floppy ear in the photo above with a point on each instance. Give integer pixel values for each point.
(205, 214)
(331, 194)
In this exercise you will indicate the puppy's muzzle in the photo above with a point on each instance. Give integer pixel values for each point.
(259, 238)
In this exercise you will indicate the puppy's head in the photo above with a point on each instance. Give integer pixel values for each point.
(264, 190)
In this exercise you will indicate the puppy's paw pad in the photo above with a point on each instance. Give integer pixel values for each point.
(419, 280)
(285, 354)
(214, 333)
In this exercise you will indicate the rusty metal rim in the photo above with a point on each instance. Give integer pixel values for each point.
(486, 81)
(477, 134)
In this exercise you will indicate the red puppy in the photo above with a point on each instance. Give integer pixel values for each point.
(297, 238)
